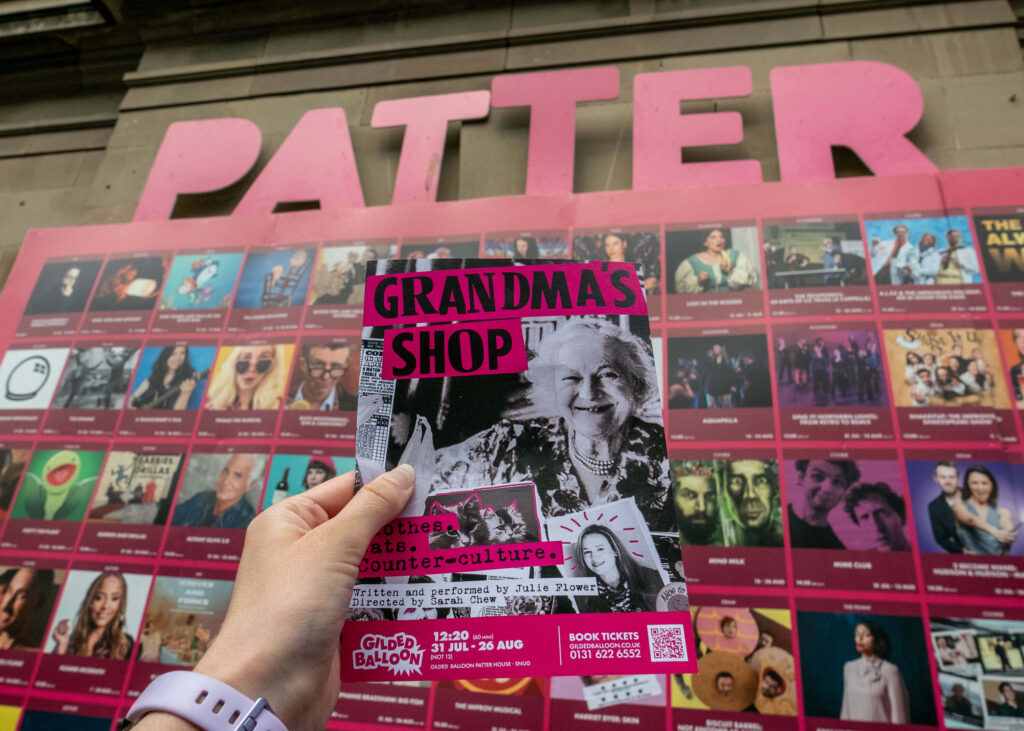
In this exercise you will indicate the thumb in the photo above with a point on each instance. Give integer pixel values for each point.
(374, 505)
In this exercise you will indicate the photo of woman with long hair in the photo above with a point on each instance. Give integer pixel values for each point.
(99, 626)
(251, 377)
(873, 688)
(979, 498)
(623, 584)
(170, 382)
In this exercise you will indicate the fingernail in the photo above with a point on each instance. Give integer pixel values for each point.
(404, 475)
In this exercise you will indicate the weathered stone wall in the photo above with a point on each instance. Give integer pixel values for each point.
(79, 153)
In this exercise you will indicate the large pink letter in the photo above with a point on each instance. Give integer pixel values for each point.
(315, 162)
(426, 121)
(660, 131)
(197, 157)
(864, 105)
(552, 98)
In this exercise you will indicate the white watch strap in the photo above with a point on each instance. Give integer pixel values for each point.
(205, 702)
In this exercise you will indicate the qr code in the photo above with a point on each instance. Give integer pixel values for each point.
(667, 642)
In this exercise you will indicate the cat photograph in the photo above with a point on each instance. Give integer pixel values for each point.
(487, 517)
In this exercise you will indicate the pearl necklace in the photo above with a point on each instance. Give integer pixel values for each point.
(594, 466)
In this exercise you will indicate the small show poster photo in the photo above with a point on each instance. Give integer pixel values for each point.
(293, 474)
(324, 386)
(219, 496)
(272, 289)
(128, 290)
(863, 662)
(198, 292)
(467, 705)
(397, 702)
(816, 266)
(720, 385)
(1012, 339)
(1000, 233)
(526, 245)
(924, 262)
(92, 390)
(605, 702)
(95, 629)
(339, 282)
(635, 244)
(13, 459)
(247, 388)
(729, 511)
(132, 501)
(746, 666)
(28, 592)
(169, 387)
(831, 382)
(185, 612)
(59, 296)
(713, 272)
(947, 381)
(980, 664)
(847, 518)
(968, 509)
(53, 499)
(28, 381)
(466, 246)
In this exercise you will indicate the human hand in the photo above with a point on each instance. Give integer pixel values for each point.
(62, 636)
(292, 591)
(188, 385)
(1006, 537)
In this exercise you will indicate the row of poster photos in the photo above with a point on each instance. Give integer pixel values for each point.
(945, 380)
(761, 664)
(914, 262)
(856, 520)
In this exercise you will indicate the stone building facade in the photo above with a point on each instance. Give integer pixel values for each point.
(90, 86)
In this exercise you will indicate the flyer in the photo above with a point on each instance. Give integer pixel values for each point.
(528, 400)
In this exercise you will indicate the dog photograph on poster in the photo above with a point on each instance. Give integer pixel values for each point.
(746, 662)
(136, 488)
(718, 259)
(339, 277)
(130, 284)
(819, 254)
(857, 505)
(275, 278)
(109, 632)
(96, 378)
(718, 372)
(203, 282)
(29, 378)
(727, 502)
(63, 287)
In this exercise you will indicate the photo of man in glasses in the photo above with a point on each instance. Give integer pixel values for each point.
(317, 383)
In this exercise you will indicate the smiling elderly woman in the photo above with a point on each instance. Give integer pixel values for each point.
(591, 434)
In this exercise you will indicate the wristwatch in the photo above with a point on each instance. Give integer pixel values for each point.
(204, 702)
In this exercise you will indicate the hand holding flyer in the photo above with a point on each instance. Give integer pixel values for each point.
(544, 476)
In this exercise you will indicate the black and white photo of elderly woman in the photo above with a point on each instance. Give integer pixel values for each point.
(623, 584)
(590, 431)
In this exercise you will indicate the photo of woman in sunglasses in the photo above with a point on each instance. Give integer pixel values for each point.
(249, 377)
